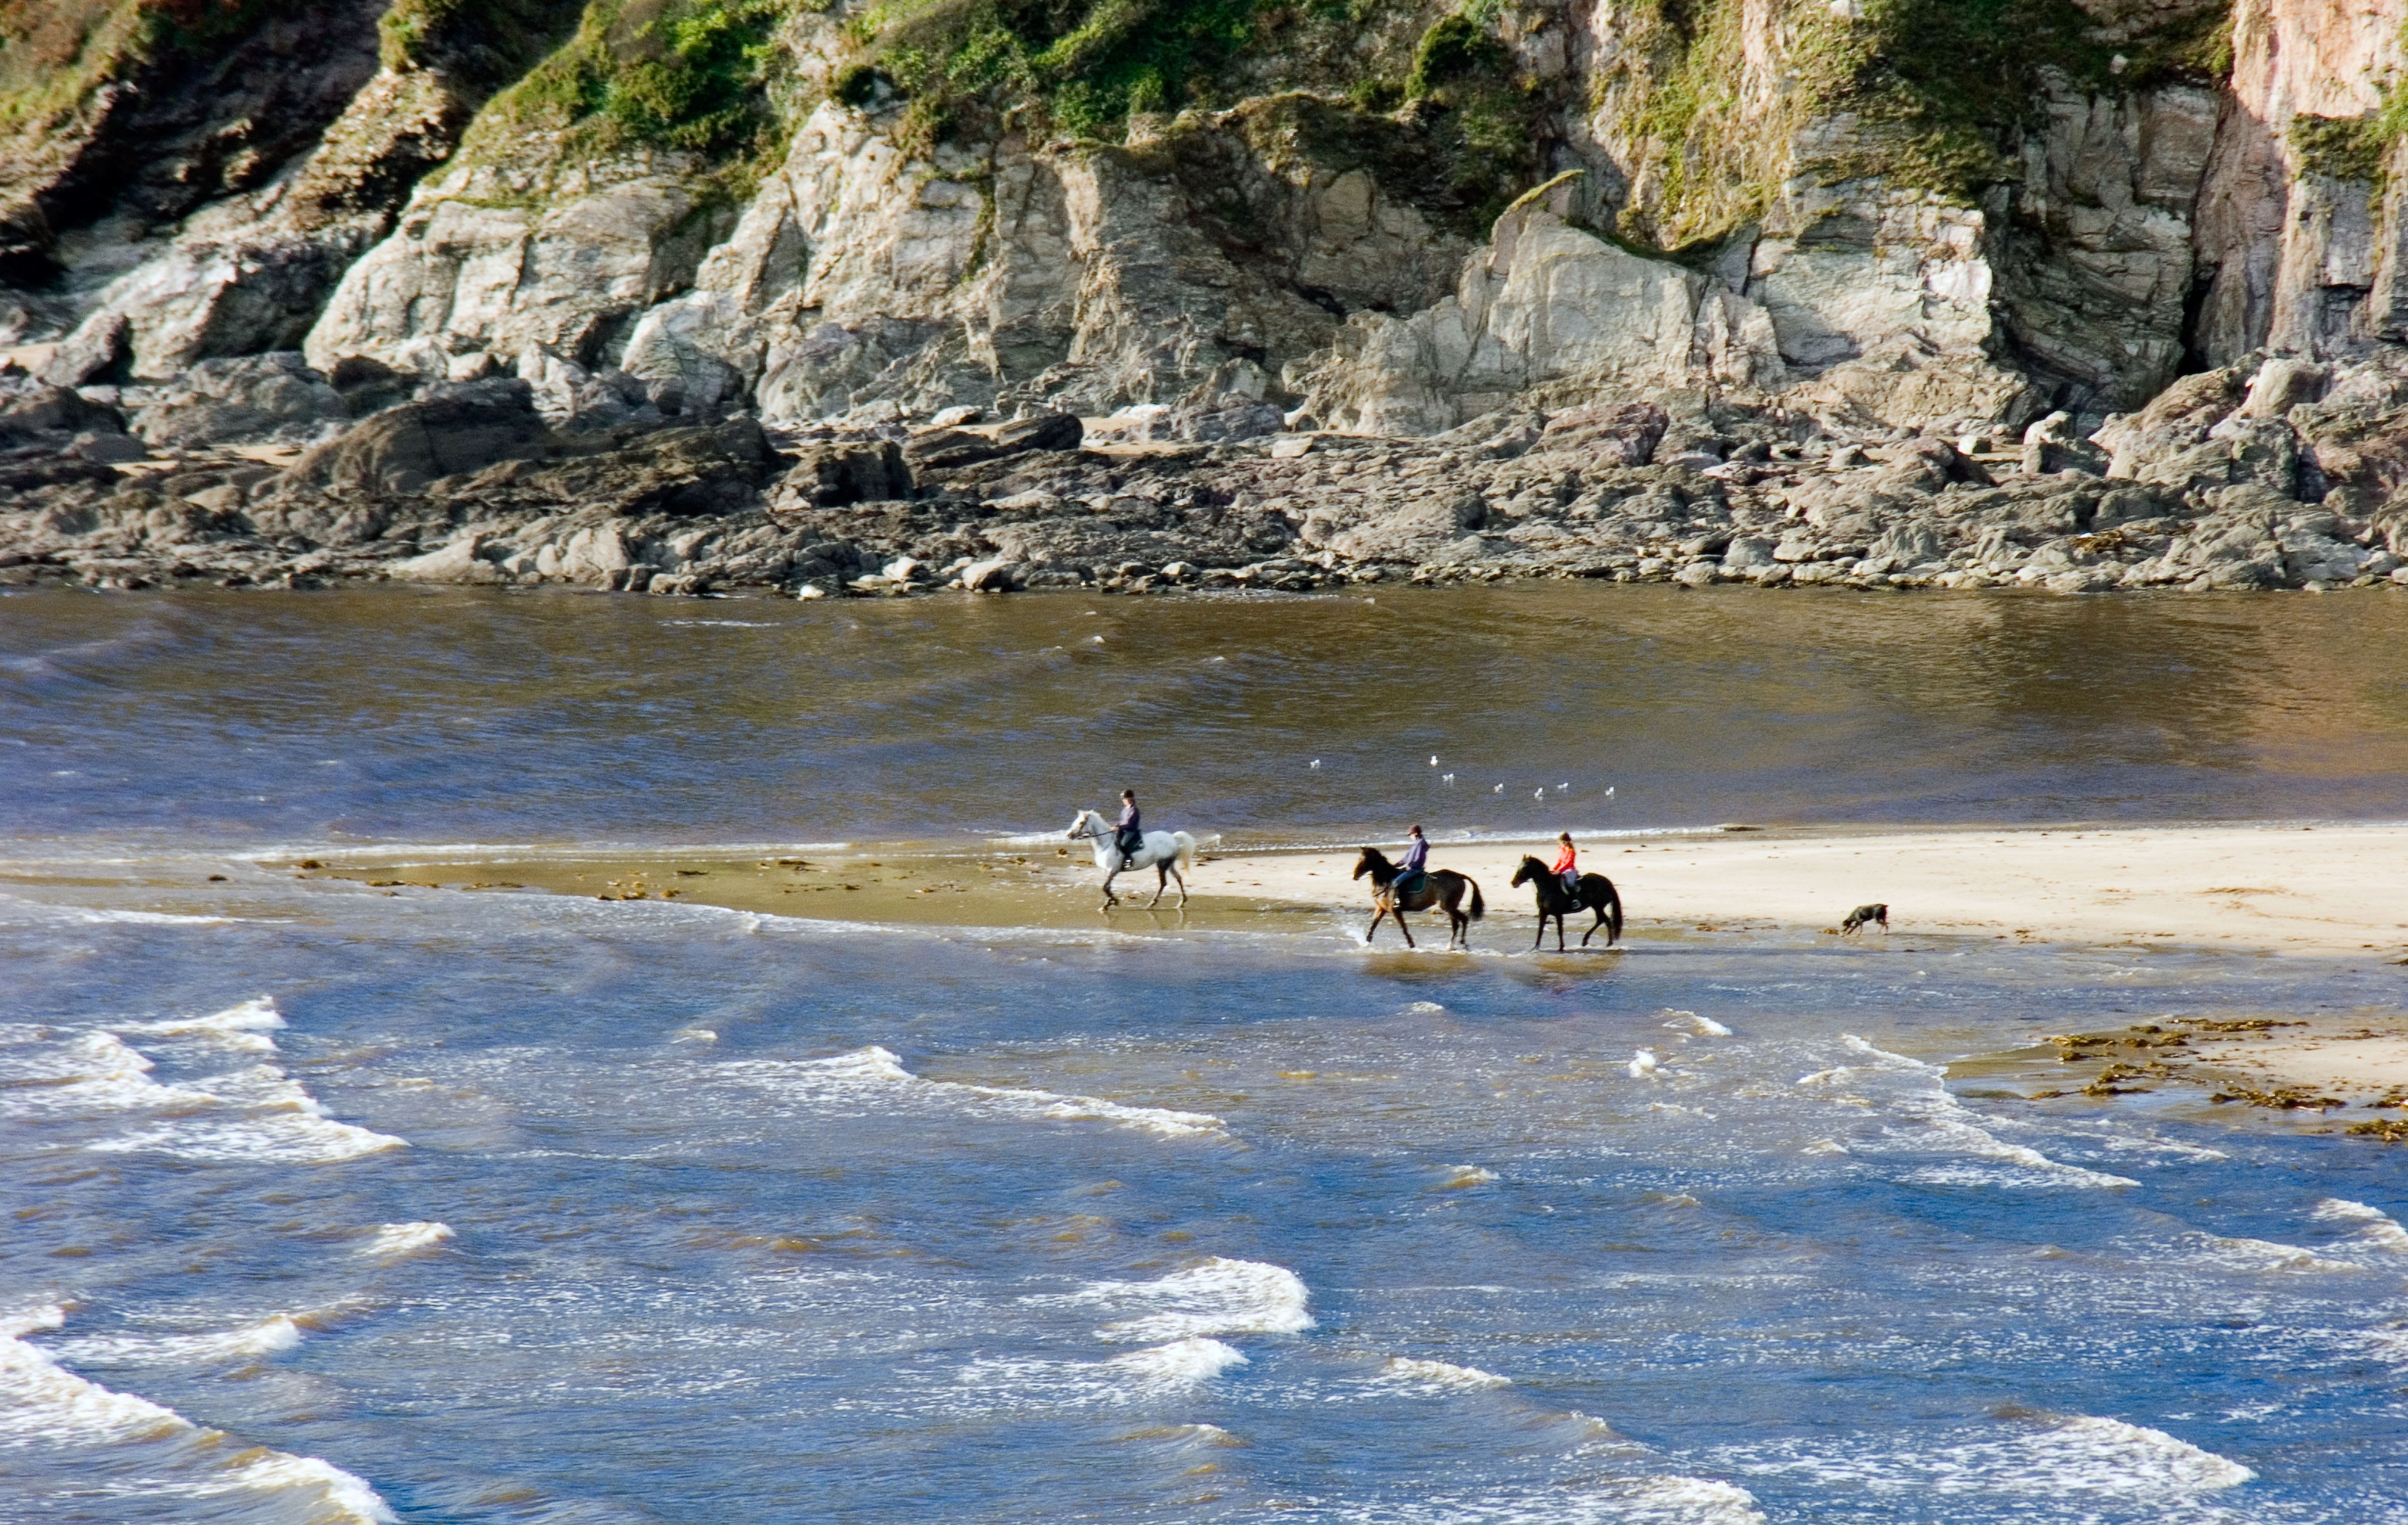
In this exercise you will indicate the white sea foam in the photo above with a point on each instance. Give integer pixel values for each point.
(391, 1240)
(273, 1120)
(260, 1337)
(1221, 1296)
(344, 1498)
(2046, 1455)
(1662, 1500)
(1437, 1376)
(1133, 1377)
(1940, 1123)
(1180, 1363)
(87, 915)
(2377, 1230)
(879, 1066)
(2129, 1144)
(88, 1073)
(43, 1405)
(2262, 1255)
(245, 1026)
(1460, 1176)
(1705, 1026)
(1642, 1064)
(694, 1035)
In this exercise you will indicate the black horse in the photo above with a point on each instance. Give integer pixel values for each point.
(1441, 887)
(1597, 893)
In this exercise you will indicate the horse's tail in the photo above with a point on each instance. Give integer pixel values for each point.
(1612, 914)
(1479, 906)
(1186, 850)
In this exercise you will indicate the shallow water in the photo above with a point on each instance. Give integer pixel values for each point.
(454, 717)
(332, 1203)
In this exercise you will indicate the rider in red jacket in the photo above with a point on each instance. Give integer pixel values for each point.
(1568, 863)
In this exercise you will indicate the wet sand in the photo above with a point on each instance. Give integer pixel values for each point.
(2334, 891)
(2331, 891)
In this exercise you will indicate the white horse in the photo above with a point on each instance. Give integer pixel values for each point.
(1165, 852)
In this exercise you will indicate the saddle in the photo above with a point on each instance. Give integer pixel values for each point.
(1410, 884)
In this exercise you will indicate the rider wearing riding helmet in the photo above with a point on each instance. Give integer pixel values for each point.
(1128, 836)
(1566, 864)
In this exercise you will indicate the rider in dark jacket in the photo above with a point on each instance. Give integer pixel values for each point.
(1128, 836)
(1415, 863)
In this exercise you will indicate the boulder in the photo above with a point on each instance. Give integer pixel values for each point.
(38, 408)
(829, 476)
(253, 397)
(1233, 418)
(1747, 553)
(458, 561)
(992, 576)
(1617, 433)
(1047, 431)
(465, 426)
(950, 450)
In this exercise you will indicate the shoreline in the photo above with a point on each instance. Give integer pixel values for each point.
(2336, 889)
(2328, 891)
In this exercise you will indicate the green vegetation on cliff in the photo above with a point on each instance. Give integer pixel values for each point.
(481, 44)
(2342, 147)
(1082, 70)
(1927, 94)
(1422, 84)
(681, 74)
(1438, 109)
(54, 53)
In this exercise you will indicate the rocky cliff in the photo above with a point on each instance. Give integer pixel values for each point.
(670, 292)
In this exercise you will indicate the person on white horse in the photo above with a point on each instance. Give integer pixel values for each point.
(1126, 844)
(1129, 834)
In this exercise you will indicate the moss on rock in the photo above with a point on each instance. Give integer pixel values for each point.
(2340, 148)
(1930, 95)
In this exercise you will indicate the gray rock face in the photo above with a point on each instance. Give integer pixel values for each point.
(258, 397)
(830, 476)
(2097, 259)
(36, 408)
(946, 450)
(454, 429)
(1272, 282)
(1622, 433)
(472, 279)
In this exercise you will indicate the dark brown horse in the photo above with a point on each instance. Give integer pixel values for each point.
(1441, 887)
(1597, 893)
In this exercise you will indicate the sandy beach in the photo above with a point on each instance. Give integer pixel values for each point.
(2329, 889)
(2332, 892)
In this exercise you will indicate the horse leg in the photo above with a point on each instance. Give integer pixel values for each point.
(1559, 931)
(1377, 914)
(1402, 927)
(1592, 931)
(1182, 888)
(1541, 935)
(1110, 898)
(1161, 883)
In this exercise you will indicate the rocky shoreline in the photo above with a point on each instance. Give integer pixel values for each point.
(263, 472)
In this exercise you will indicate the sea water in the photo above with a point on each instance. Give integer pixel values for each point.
(331, 1202)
